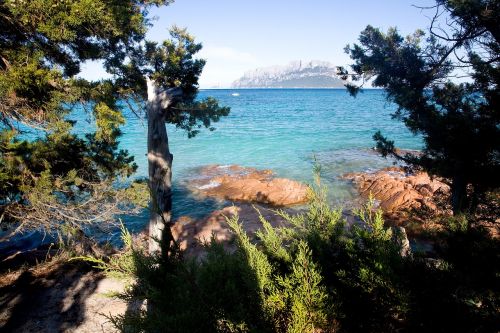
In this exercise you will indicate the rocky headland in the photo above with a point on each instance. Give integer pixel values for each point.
(297, 74)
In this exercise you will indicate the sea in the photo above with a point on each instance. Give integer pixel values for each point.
(285, 130)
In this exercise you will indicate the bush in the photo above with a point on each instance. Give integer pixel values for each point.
(319, 274)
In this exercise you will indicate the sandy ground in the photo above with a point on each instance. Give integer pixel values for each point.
(59, 297)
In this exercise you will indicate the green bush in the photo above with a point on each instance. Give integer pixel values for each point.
(318, 274)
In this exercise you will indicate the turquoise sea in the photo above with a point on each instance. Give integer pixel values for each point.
(285, 130)
(280, 129)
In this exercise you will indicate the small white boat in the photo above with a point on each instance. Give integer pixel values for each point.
(235, 94)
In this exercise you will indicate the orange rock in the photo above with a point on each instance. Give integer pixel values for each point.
(397, 190)
(237, 183)
(402, 199)
(191, 233)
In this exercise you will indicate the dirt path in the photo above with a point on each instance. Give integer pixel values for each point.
(60, 297)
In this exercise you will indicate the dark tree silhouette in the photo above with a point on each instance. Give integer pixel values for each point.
(445, 84)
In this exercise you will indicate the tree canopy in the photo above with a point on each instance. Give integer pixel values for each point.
(49, 175)
(445, 85)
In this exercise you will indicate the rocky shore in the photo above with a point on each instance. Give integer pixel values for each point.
(250, 193)
(253, 192)
(412, 200)
(395, 189)
(243, 184)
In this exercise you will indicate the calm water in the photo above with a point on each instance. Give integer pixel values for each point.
(279, 129)
(283, 130)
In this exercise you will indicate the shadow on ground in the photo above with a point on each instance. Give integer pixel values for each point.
(51, 299)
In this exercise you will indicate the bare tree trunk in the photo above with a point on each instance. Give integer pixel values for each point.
(160, 169)
(458, 194)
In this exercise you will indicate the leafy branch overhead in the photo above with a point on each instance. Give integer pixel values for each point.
(173, 67)
(57, 177)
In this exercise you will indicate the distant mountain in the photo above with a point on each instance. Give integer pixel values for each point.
(297, 74)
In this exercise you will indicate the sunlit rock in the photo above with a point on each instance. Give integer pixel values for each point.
(236, 183)
(396, 190)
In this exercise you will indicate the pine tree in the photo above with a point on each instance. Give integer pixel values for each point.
(459, 122)
(48, 175)
(166, 76)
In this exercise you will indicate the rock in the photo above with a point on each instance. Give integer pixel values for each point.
(396, 190)
(410, 152)
(243, 186)
(401, 199)
(297, 74)
(191, 233)
(402, 241)
(426, 190)
(236, 183)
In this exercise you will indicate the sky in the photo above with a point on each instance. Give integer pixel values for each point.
(238, 35)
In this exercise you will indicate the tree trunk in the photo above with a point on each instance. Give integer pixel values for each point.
(160, 170)
(476, 197)
(458, 194)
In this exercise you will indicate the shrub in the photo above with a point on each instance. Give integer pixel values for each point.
(317, 274)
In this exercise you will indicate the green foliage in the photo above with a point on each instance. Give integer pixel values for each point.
(373, 219)
(320, 274)
(275, 285)
(123, 266)
(55, 177)
(298, 299)
(42, 46)
(172, 63)
(137, 193)
(272, 242)
(293, 299)
(43, 43)
(37, 178)
(172, 66)
(459, 122)
(107, 121)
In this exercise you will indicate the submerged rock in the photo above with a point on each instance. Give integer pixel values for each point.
(397, 190)
(236, 183)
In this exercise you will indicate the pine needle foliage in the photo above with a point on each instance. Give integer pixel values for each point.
(49, 176)
(444, 82)
(319, 273)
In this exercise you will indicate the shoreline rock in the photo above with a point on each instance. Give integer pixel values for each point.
(396, 190)
(252, 193)
(243, 184)
(191, 234)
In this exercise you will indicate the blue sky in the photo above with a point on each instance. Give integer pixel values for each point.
(241, 35)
